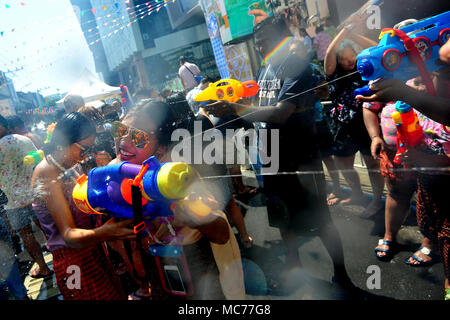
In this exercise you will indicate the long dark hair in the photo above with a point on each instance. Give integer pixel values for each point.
(72, 127)
(161, 115)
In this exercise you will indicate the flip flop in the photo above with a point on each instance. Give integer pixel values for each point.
(137, 296)
(422, 263)
(447, 294)
(389, 252)
(332, 196)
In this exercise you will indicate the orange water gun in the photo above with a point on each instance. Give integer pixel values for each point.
(230, 90)
(409, 130)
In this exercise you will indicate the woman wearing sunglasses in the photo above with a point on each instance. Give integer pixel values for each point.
(82, 269)
(144, 132)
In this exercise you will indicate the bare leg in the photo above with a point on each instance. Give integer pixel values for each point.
(395, 213)
(335, 196)
(236, 218)
(351, 176)
(34, 249)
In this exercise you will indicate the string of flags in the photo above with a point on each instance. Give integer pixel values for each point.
(40, 110)
(94, 11)
(134, 16)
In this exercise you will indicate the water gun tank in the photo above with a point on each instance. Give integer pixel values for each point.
(390, 59)
(109, 188)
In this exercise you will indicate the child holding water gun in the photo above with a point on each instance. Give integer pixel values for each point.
(433, 209)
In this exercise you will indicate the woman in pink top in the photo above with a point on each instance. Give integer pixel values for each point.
(75, 244)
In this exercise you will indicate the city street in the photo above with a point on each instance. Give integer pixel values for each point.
(266, 277)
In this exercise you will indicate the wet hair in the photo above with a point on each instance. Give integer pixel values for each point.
(182, 59)
(15, 123)
(162, 117)
(93, 114)
(72, 127)
(345, 44)
(73, 103)
(276, 24)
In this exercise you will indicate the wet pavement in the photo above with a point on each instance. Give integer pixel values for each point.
(267, 276)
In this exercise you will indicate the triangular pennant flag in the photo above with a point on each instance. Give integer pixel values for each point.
(82, 13)
(7, 6)
(93, 10)
(1, 33)
(116, 5)
(22, 3)
(104, 7)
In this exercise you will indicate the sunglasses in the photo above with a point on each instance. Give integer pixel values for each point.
(84, 149)
(139, 137)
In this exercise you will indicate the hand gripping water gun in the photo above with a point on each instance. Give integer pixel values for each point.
(228, 90)
(33, 157)
(409, 130)
(405, 53)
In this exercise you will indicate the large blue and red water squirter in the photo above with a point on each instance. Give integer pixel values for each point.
(108, 189)
(396, 55)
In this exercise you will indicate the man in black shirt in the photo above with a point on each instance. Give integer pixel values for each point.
(285, 103)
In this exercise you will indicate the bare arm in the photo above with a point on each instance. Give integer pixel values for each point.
(363, 41)
(330, 62)
(433, 107)
(58, 207)
(271, 114)
(373, 128)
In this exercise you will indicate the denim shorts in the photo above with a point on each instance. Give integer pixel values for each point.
(21, 217)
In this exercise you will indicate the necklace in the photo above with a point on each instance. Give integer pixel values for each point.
(66, 173)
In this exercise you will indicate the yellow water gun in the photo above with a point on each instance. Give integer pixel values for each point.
(228, 90)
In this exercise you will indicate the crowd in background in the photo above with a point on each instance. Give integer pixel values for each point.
(312, 70)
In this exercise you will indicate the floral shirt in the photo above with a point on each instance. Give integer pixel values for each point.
(387, 125)
(15, 176)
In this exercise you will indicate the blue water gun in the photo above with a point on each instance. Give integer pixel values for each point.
(108, 188)
(405, 53)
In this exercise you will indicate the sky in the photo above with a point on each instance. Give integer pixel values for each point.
(44, 40)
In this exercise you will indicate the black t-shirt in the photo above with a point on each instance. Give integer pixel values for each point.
(290, 80)
(283, 82)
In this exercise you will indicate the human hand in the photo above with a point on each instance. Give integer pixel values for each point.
(220, 108)
(259, 14)
(444, 52)
(117, 230)
(386, 91)
(376, 147)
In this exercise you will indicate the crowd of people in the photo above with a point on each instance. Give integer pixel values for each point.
(117, 263)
